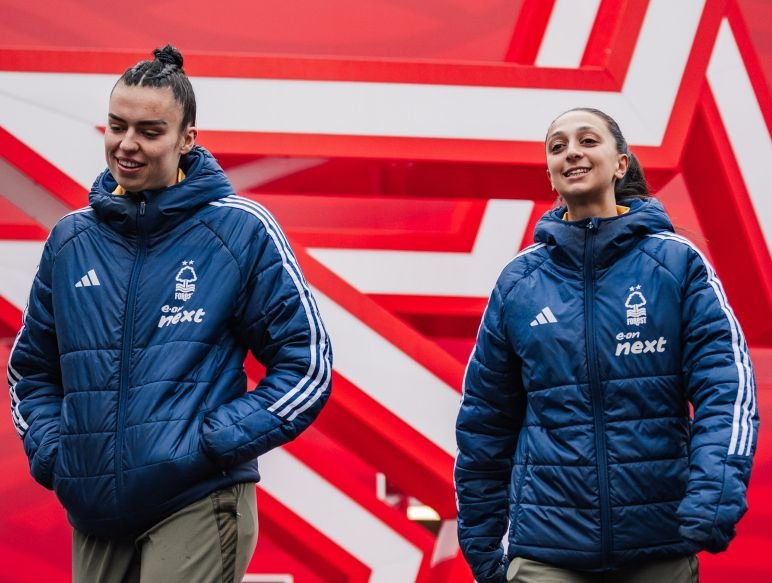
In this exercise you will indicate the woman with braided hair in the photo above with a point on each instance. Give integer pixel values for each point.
(149, 85)
(576, 443)
(127, 377)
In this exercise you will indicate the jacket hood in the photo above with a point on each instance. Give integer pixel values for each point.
(614, 236)
(165, 208)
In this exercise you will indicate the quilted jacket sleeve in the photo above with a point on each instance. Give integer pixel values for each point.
(34, 378)
(722, 390)
(282, 326)
(486, 432)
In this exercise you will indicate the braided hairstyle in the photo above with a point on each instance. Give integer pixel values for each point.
(633, 184)
(165, 70)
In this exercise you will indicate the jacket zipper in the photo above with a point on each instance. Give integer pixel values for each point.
(596, 392)
(126, 343)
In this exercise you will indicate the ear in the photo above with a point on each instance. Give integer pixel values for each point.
(188, 140)
(623, 161)
(552, 184)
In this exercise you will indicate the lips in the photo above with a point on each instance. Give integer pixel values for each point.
(574, 172)
(128, 165)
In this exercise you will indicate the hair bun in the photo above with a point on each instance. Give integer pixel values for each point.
(168, 55)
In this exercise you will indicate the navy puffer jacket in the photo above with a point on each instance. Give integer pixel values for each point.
(127, 378)
(574, 434)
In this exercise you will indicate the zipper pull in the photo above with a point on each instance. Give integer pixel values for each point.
(142, 208)
(592, 224)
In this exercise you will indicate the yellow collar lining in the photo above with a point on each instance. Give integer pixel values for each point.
(621, 210)
(180, 177)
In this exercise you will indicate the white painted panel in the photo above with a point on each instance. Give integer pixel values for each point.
(74, 145)
(29, 196)
(358, 108)
(567, 33)
(18, 265)
(744, 122)
(658, 64)
(391, 377)
(436, 273)
(390, 556)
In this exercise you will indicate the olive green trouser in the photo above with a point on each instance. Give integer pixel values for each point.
(211, 540)
(681, 570)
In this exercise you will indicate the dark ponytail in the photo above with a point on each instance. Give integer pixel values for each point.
(633, 184)
(165, 70)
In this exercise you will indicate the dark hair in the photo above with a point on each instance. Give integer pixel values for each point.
(633, 184)
(165, 70)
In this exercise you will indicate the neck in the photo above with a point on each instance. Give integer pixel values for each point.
(584, 208)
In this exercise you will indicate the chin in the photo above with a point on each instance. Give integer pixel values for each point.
(581, 190)
(573, 195)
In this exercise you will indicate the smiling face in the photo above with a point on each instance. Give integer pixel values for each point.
(143, 139)
(582, 159)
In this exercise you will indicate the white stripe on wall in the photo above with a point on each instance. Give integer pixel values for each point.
(744, 123)
(18, 264)
(43, 119)
(658, 63)
(31, 198)
(390, 556)
(436, 273)
(391, 377)
(567, 33)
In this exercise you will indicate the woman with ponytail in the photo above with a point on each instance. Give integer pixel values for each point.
(608, 420)
(127, 376)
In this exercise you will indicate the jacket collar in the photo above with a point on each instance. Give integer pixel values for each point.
(613, 236)
(165, 208)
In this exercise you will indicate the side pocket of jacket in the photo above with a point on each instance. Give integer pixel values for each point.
(43, 461)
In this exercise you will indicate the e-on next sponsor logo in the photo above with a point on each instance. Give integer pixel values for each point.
(184, 289)
(173, 315)
(635, 346)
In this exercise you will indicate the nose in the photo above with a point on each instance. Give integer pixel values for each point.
(129, 141)
(573, 151)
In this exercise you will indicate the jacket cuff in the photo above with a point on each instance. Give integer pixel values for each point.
(498, 576)
(715, 542)
(491, 572)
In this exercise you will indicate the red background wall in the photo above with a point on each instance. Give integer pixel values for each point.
(391, 194)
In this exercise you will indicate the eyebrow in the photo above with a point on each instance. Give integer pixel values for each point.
(579, 129)
(144, 122)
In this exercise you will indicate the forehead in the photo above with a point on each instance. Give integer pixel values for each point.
(574, 121)
(135, 103)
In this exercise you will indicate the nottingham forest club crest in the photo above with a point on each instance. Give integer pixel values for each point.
(186, 278)
(636, 313)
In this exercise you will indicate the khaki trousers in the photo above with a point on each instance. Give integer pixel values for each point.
(681, 570)
(211, 540)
